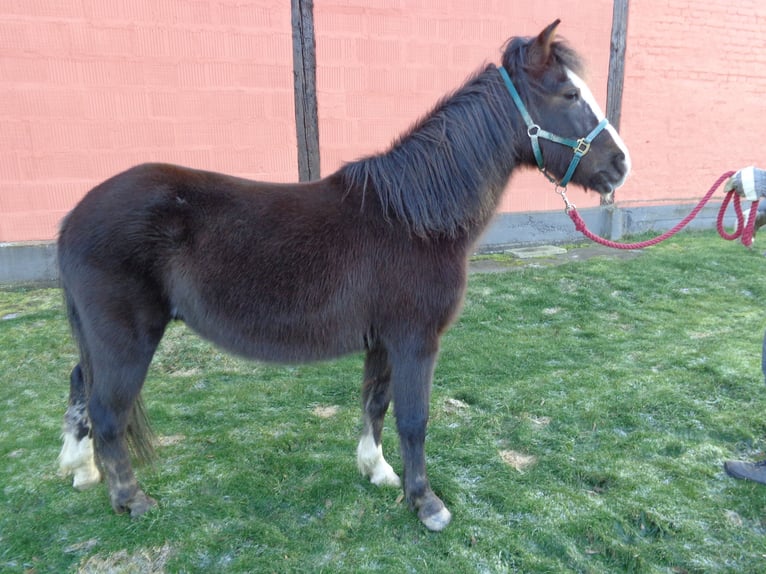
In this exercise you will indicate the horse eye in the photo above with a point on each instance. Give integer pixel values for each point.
(572, 95)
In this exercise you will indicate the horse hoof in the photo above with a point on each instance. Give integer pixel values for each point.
(137, 505)
(370, 461)
(87, 477)
(435, 521)
(141, 504)
(384, 475)
(82, 484)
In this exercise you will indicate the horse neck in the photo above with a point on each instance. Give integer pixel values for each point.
(446, 175)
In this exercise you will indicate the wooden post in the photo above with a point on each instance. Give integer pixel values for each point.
(617, 62)
(304, 72)
(616, 69)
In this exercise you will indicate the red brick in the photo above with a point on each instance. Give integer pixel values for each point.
(248, 15)
(14, 37)
(30, 226)
(14, 135)
(9, 168)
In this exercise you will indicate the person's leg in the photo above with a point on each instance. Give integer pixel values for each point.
(755, 471)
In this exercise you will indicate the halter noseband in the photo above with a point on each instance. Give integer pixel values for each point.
(579, 147)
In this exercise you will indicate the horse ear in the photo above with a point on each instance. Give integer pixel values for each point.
(539, 53)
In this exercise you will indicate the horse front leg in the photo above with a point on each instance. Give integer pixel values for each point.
(412, 373)
(376, 396)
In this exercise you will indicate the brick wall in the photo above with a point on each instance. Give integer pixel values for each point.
(693, 101)
(89, 88)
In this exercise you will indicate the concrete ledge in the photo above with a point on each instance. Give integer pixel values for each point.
(536, 251)
(35, 262)
(30, 262)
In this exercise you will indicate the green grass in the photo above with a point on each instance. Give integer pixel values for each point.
(629, 382)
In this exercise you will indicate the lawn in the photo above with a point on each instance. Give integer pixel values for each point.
(580, 417)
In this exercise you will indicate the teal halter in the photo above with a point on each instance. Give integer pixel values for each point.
(579, 147)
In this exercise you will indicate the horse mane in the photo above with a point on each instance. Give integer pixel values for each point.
(444, 176)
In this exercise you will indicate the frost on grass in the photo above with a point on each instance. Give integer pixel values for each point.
(325, 412)
(517, 460)
(141, 561)
(455, 405)
(539, 422)
(170, 440)
(734, 518)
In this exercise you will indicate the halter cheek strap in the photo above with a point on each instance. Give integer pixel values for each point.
(579, 147)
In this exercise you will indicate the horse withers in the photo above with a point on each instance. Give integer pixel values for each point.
(371, 258)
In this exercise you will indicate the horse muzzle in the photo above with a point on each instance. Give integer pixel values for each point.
(607, 180)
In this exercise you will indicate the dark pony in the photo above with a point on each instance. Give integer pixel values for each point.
(372, 258)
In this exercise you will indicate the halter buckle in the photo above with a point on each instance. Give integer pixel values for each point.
(582, 147)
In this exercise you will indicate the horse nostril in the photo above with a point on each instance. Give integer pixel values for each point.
(619, 161)
(621, 166)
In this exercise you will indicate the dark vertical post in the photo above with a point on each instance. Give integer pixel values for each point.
(616, 69)
(304, 72)
(617, 62)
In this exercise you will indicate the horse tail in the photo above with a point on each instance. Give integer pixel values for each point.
(139, 435)
(82, 381)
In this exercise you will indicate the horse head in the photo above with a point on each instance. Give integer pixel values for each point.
(570, 139)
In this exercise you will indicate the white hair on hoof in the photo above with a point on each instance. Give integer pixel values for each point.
(439, 521)
(369, 459)
(76, 457)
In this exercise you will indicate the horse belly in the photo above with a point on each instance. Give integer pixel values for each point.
(291, 337)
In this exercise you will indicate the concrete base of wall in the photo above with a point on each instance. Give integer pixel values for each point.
(28, 263)
(35, 262)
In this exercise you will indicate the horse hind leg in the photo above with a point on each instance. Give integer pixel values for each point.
(117, 331)
(76, 455)
(376, 396)
(114, 409)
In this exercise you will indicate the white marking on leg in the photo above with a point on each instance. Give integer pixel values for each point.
(369, 459)
(77, 458)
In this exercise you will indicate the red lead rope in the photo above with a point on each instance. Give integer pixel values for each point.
(743, 230)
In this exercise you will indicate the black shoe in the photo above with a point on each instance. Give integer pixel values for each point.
(755, 471)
